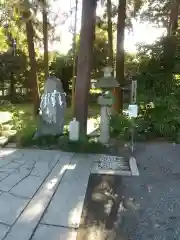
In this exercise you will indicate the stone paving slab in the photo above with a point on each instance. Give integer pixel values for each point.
(9, 182)
(27, 187)
(3, 175)
(48, 232)
(7, 155)
(29, 219)
(10, 208)
(11, 167)
(70, 194)
(21, 160)
(19, 155)
(3, 230)
(42, 181)
(4, 161)
(29, 165)
(23, 165)
(42, 168)
(7, 170)
(3, 141)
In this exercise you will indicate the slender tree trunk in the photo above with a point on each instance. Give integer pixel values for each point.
(74, 61)
(84, 67)
(45, 40)
(110, 35)
(33, 64)
(12, 92)
(12, 84)
(118, 92)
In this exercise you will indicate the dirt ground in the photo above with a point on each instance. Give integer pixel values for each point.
(150, 203)
(154, 209)
(100, 208)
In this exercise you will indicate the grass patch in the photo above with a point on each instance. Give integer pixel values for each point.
(25, 124)
(90, 145)
(121, 128)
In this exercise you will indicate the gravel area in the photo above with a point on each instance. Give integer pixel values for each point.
(152, 200)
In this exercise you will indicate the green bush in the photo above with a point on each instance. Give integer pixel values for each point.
(158, 82)
(159, 121)
(120, 126)
(61, 142)
(164, 119)
(90, 145)
(25, 135)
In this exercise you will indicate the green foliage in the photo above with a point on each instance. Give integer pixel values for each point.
(3, 44)
(15, 65)
(120, 126)
(164, 119)
(158, 79)
(90, 145)
(158, 83)
(157, 11)
(100, 52)
(25, 124)
(62, 67)
(25, 134)
(158, 94)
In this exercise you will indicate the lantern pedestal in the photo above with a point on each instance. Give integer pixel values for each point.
(105, 104)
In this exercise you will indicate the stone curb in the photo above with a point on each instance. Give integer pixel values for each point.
(133, 166)
(3, 141)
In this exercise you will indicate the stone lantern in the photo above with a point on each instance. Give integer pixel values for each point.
(106, 83)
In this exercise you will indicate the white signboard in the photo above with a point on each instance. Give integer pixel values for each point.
(133, 91)
(133, 110)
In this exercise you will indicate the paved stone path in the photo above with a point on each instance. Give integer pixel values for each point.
(153, 198)
(41, 193)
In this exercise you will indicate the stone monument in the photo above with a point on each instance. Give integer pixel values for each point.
(52, 108)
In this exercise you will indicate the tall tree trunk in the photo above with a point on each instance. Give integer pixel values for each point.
(118, 92)
(110, 35)
(173, 19)
(170, 43)
(12, 84)
(45, 39)
(33, 64)
(110, 41)
(74, 60)
(84, 67)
